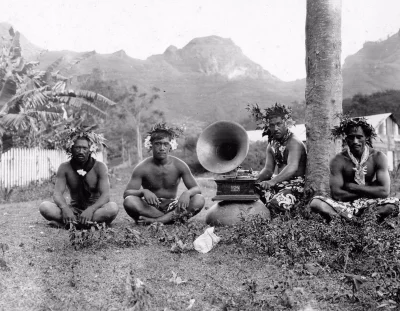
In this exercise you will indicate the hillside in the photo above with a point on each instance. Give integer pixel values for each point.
(374, 68)
(211, 79)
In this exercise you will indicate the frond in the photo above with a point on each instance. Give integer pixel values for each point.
(49, 70)
(91, 107)
(93, 96)
(34, 98)
(8, 91)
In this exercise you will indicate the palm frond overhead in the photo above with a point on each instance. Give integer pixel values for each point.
(89, 95)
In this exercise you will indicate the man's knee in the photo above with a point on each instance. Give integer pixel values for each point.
(197, 202)
(49, 210)
(107, 213)
(132, 203)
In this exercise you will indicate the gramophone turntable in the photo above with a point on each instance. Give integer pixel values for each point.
(221, 148)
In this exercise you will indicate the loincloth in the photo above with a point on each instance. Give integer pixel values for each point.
(356, 207)
(79, 207)
(284, 194)
(166, 205)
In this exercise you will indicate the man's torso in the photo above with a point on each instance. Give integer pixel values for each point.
(162, 180)
(73, 181)
(348, 167)
(296, 143)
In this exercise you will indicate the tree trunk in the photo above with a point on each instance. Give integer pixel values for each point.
(139, 138)
(323, 89)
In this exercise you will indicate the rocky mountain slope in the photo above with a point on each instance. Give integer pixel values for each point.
(211, 79)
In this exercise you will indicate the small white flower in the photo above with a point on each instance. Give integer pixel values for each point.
(93, 148)
(81, 172)
(173, 144)
(147, 142)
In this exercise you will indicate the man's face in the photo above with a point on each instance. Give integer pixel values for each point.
(161, 148)
(278, 127)
(356, 139)
(80, 150)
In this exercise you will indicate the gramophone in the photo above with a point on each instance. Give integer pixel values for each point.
(221, 148)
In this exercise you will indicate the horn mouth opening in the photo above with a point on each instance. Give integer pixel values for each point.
(222, 146)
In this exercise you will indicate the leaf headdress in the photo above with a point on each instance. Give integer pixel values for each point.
(346, 123)
(172, 133)
(262, 117)
(66, 138)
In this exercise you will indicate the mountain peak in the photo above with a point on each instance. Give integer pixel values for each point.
(120, 54)
(212, 55)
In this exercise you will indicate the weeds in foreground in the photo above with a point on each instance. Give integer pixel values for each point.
(100, 235)
(367, 253)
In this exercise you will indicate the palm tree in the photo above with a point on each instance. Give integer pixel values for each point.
(323, 88)
(31, 99)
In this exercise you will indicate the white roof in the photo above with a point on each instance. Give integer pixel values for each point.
(376, 119)
(300, 129)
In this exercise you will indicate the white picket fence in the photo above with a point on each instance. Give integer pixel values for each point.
(20, 167)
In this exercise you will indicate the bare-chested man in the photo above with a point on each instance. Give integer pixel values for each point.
(281, 181)
(87, 181)
(359, 176)
(151, 194)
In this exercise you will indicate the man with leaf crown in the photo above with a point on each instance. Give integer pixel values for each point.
(281, 181)
(151, 194)
(86, 179)
(359, 175)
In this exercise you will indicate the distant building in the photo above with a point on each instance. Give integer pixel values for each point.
(388, 140)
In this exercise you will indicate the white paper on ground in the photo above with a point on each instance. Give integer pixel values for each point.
(205, 242)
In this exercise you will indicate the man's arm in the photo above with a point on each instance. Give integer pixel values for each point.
(381, 186)
(295, 149)
(103, 187)
(58, 195)
(269, 167)
(135, 183)
(336, 182)
(190, 183)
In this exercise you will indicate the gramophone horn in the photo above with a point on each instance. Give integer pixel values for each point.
(222, 146)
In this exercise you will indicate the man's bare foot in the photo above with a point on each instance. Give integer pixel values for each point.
(143, 220)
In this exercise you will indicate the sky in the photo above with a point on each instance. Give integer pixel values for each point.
(269, 32)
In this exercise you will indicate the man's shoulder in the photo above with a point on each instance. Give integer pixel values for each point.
(296, 141)
(340, 157)
(177, 161)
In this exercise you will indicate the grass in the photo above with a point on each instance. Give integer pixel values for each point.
(42, 270)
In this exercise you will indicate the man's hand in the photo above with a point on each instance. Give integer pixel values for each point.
(183, 202)
(86, 216)
(266, 185)
(150, 198)
(67, 215)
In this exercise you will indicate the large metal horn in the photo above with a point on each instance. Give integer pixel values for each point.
(222, 146)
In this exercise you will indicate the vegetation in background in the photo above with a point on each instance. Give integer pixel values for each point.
(34, 102)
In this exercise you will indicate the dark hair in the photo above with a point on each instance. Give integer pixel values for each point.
(160, 135)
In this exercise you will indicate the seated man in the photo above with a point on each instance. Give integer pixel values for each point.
(151, 194)
(286, 156)
(359, 176)
(87, 181)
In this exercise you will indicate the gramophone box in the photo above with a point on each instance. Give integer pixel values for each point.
(221, 148)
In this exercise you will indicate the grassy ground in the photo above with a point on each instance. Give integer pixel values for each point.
(41, 270)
